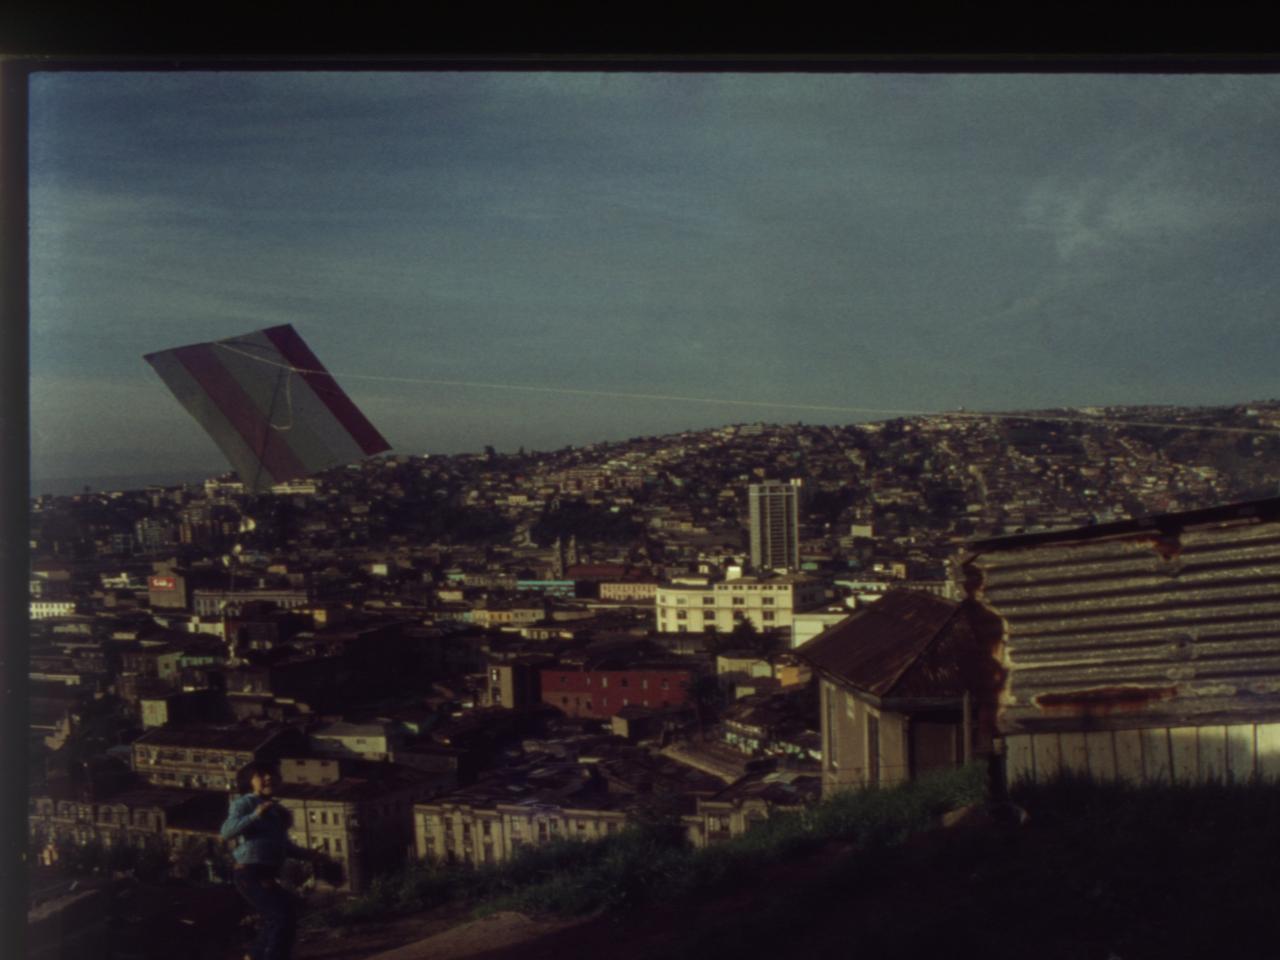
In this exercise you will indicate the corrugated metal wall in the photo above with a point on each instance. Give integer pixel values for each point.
(1238, 752)
(1174, 635)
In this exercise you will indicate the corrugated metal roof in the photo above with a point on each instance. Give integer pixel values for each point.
(876, 647)
(1175, 619)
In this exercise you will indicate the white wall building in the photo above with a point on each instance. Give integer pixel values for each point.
(770, 603)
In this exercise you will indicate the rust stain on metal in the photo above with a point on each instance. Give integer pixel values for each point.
(1102, 701)
(1167, 547)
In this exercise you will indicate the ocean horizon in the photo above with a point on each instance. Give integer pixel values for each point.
(66, 486)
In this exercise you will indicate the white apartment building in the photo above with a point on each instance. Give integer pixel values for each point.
(45, 609)
(769, 602)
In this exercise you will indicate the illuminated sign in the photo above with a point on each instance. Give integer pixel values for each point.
(163, 583)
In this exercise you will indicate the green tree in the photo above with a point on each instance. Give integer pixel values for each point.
(745, 636)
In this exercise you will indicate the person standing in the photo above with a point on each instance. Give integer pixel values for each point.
(262, 824)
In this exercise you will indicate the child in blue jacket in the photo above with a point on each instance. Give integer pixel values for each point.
(262, 825)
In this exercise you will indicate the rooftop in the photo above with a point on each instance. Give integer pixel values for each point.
(874, 649)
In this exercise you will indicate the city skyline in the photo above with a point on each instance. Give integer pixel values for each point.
(840, 241)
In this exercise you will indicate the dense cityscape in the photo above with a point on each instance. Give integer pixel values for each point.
(452, 658)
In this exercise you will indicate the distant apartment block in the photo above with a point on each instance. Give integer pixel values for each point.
(357, 812)
(629, 590)
(703, 606)
(602, 693)
(516, 684)
(775, 525)
(208, 602)
(47, 609)
(476, 826)
(205, 758)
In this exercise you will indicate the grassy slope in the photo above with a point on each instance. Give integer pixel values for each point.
(1099, 872)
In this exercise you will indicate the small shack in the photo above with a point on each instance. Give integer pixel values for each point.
(903, 685)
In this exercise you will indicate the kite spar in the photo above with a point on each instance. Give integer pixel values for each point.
(269, 404)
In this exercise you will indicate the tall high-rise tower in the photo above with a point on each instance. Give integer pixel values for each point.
(775, 525)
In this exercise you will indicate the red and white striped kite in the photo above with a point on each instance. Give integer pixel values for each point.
(269, 405)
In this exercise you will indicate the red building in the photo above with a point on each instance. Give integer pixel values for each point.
(602, 693)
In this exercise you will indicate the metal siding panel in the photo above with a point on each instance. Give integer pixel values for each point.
(1196, 616)
(1075, 754)
(1184, 745)
(1102, 754)
(1128, 745)
(1269, 750)
(1211, 744)
(1047, 750)
(1240, 752)
(1019, 759)
(1156, 764)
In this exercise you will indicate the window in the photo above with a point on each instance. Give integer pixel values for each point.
(708, 614)
(739, 601)
(767, 601)
(324, 817)
(768, 614)
(604, 681)
(708, 601)
(682, 615)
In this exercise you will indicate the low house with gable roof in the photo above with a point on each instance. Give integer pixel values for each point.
(904, 688)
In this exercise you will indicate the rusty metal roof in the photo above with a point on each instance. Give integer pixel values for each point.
(1168, 620)
(875, 649)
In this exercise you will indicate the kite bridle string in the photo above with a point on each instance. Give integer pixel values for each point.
(960, 415)
(285, 375)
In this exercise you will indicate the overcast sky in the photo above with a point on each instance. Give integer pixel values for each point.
(860, 241)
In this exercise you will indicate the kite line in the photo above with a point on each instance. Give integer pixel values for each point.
(812, 407)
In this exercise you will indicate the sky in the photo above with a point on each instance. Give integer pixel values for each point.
(862, 242)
